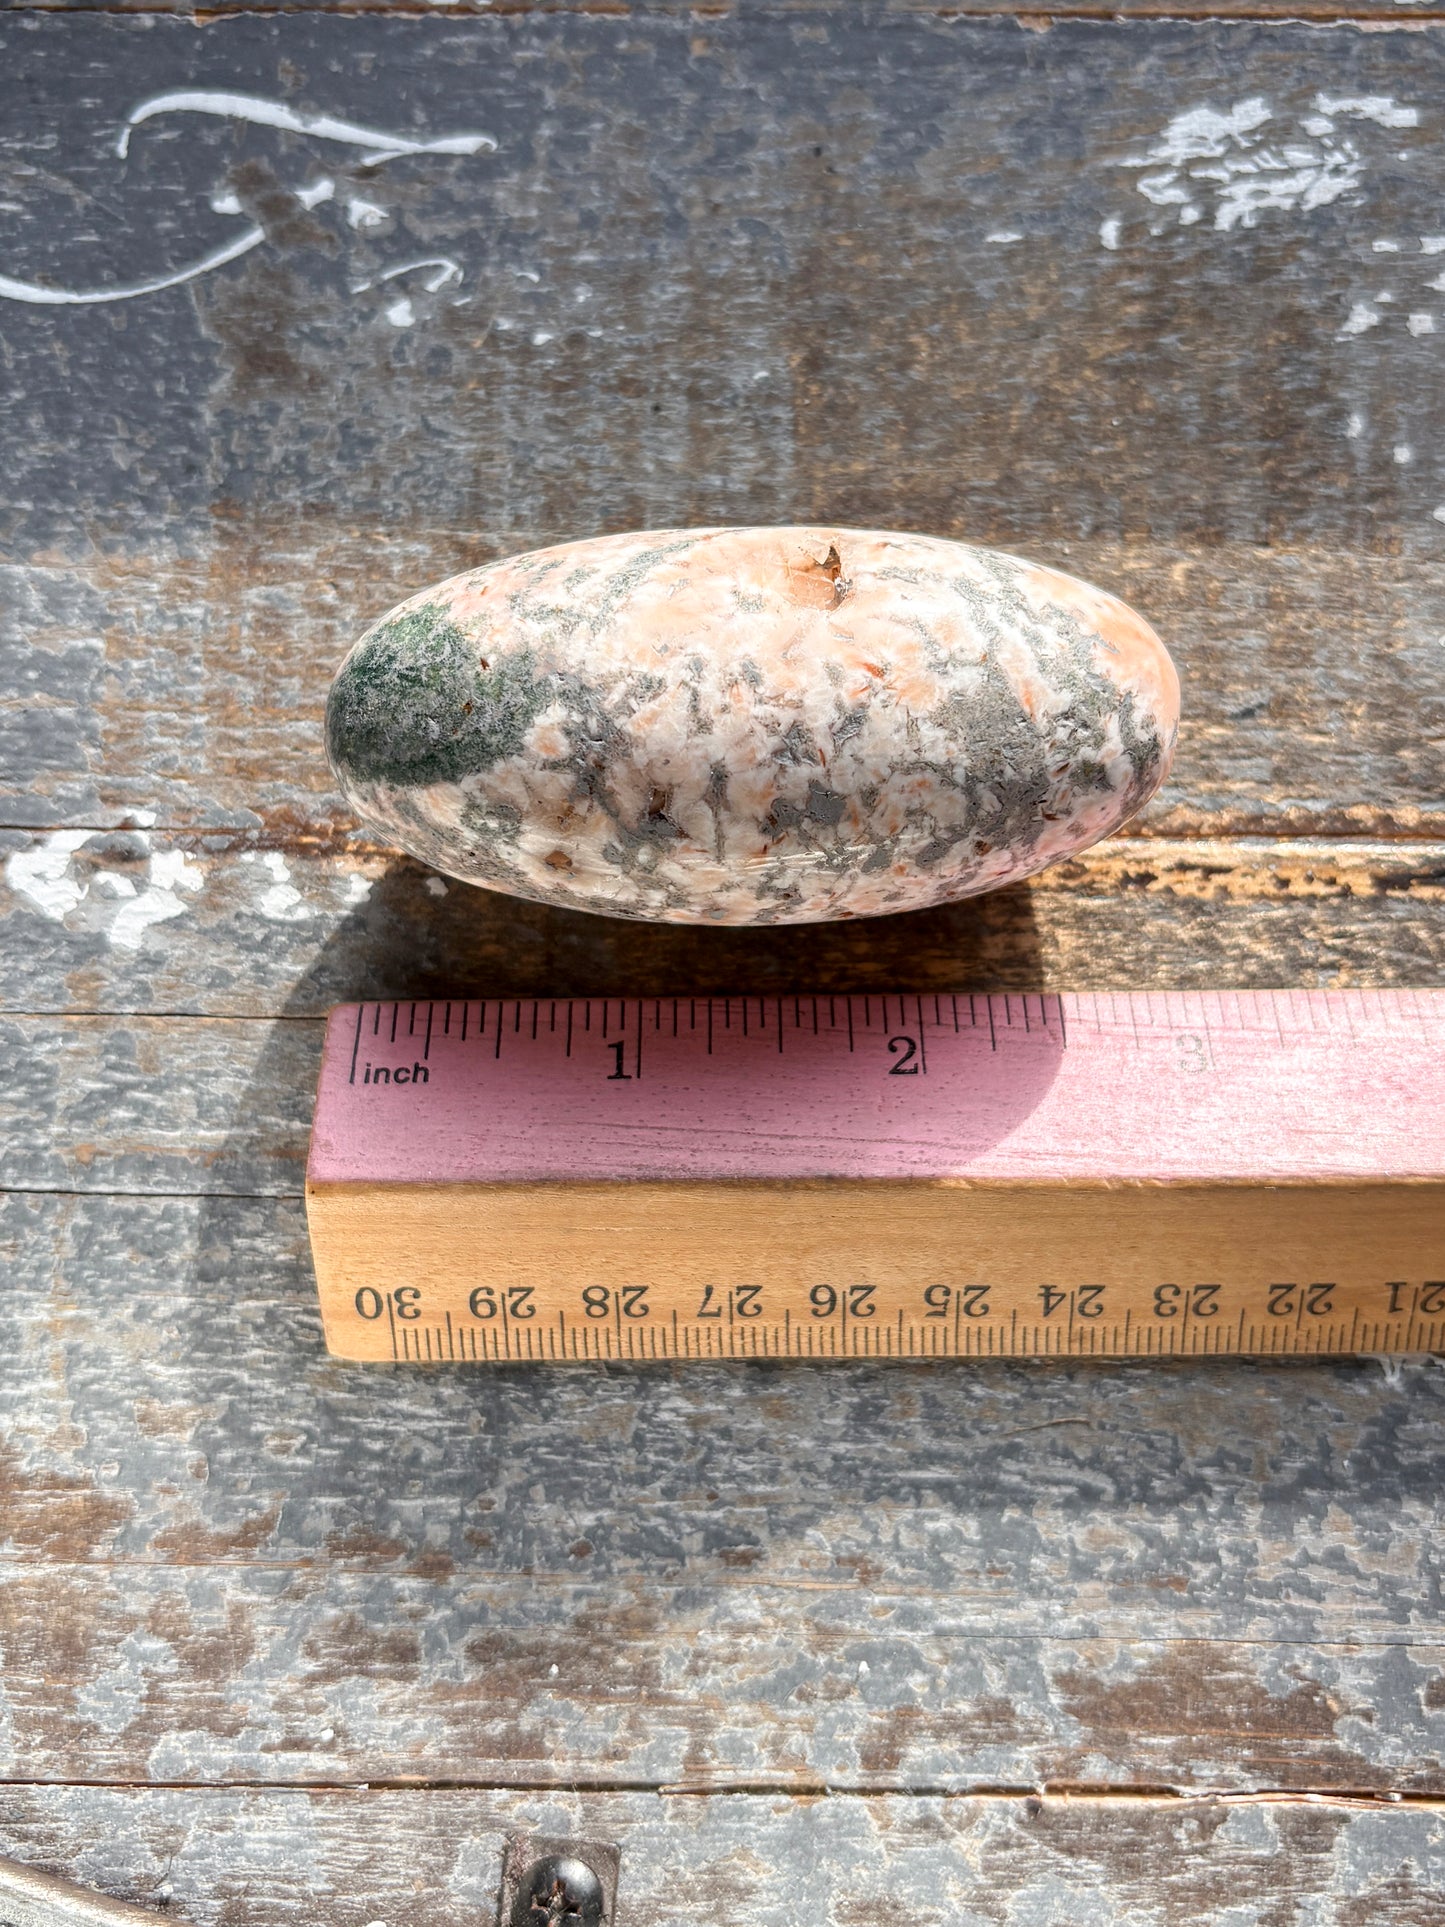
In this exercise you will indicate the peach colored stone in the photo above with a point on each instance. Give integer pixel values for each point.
(753, 725)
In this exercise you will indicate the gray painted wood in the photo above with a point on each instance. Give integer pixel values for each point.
(233, 1558)
(145, 1104)
(192, 688)
(253, 1859)
(798, 308)
(628, 10)
(247, 932)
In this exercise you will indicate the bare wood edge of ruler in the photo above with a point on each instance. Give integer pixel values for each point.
(914, 1177)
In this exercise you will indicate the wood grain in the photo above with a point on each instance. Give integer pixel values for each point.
(632, 10)
(249, 1858)
(192, 689)
(235, 1559)
(801, 315)
(230, 1559)
(633, 1272)
(242, 931)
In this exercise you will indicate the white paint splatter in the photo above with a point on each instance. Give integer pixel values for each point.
(41, 874)
(1380, 108)
(434, 887)
(1355, 427)
(1385, 247)
(1004, 237)
(1362, 316)
(1235, 164)
(166, 872)
(445, 270)
(1421, 324)
(376, 147)
(260, 112)
(542, 337)
(401, 314)
(1403, 454)
(1109, 233)
(365, 214)
(282, 902)
(127, 909)
(43, 297)
(1439, 513)
(358, 888)
(1432, 244)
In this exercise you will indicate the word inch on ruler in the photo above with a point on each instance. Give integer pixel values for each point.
(875, 1176)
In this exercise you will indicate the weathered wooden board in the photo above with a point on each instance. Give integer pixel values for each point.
(146, 1104)
(132, 921)
(231, 1557)
(625, 10)
(253, 1859)
(1155, 301)
(1113, 280)
(143, 685)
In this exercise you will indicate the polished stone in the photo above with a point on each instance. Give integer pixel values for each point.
(753, 725)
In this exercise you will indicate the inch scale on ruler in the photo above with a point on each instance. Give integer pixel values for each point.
(1140, 1174)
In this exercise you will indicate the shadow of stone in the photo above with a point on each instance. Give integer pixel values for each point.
(408, 941)
(414, 936)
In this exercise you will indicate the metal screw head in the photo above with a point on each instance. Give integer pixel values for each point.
(559, 1892)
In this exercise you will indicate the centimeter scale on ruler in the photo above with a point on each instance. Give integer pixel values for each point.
(907, 1176)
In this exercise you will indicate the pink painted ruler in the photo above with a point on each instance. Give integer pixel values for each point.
(951, 1098)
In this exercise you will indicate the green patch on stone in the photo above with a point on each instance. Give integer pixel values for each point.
(413, 703)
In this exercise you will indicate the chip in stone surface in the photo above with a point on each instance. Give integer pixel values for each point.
(753, 725)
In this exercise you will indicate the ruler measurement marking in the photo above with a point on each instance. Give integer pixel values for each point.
(1309, 1029)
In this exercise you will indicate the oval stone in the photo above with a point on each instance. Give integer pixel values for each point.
(737, 726)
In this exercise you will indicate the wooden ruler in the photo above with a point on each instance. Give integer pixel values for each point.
(882, 1176)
